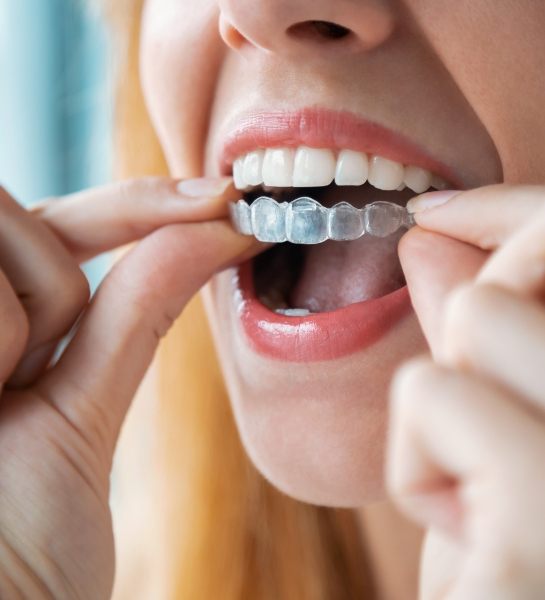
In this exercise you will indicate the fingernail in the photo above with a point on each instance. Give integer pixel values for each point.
(204, 187)
(430, 200)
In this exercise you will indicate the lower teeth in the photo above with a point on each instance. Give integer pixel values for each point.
(293, 312)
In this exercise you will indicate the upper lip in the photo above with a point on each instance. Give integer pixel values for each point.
(326, 128)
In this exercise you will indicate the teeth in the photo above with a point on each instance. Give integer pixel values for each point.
(419, 180)
(293, 312)
(306, 222)
(252, 172)
(241, 213)
(268, 220)
(316, 167)
(278, 167)
(345, 222)
(385, 174)
(383, 218)
(352, 168)
(238, 174)
(438, 183)
(313, 167)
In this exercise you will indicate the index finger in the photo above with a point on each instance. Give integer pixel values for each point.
(97, 220)
(484, 217)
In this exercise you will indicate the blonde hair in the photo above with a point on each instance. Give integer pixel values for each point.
(230, 534)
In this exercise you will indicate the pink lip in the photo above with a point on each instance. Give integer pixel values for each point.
(323, 336)
(325, 128)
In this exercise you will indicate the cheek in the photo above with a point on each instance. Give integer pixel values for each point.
(494, 50)
(180, 58)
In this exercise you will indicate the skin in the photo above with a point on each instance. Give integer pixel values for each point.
(467, 422)
(314, 430)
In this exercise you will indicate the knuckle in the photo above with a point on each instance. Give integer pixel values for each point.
(20, 329)
(77, 292)
(147, 307)
(146, 310)
(15, 327)
(72, 293)
(163, 324)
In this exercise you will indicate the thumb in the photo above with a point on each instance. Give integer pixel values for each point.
(97, 376)
(434, 265)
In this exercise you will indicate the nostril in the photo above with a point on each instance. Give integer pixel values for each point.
(323, 30)
(330, 30)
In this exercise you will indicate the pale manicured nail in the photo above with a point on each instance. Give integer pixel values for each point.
(430, 200)
(204, 187)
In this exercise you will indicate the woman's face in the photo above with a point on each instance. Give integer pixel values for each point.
(460, 85)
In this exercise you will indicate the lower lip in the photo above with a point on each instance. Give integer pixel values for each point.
(318, 337)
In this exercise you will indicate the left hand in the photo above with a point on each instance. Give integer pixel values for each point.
(466, 456)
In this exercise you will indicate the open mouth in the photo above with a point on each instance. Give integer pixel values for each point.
(298, 280)
(320, 300)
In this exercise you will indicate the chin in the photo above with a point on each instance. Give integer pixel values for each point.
(313, 459)
(315, 429)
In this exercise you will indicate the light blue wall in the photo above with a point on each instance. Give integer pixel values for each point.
(30, 86)
(55, 102)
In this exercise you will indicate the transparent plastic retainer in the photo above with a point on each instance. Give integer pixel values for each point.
(306, 221)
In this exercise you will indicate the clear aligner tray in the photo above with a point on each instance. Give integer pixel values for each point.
(306, 221)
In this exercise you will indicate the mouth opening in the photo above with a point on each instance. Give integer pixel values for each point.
(297, 280)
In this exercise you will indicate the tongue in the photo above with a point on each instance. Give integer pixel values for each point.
(336, 274)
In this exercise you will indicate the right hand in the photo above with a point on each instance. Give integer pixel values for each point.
(59, 424)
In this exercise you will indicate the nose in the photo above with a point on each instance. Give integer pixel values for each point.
(299, 27)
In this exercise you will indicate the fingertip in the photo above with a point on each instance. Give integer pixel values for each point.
(430, 200)
(206, 188)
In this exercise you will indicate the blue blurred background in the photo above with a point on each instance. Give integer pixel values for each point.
(55, 102)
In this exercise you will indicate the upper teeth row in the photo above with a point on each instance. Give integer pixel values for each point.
(316, 167)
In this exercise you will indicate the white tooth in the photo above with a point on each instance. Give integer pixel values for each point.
(253, 166)
(385, 174)
(438, 183)
(352, 168)
(293, 312)
(278, 167)
(238, 175)
(313, 167)
(419, 180)
(401, 187)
